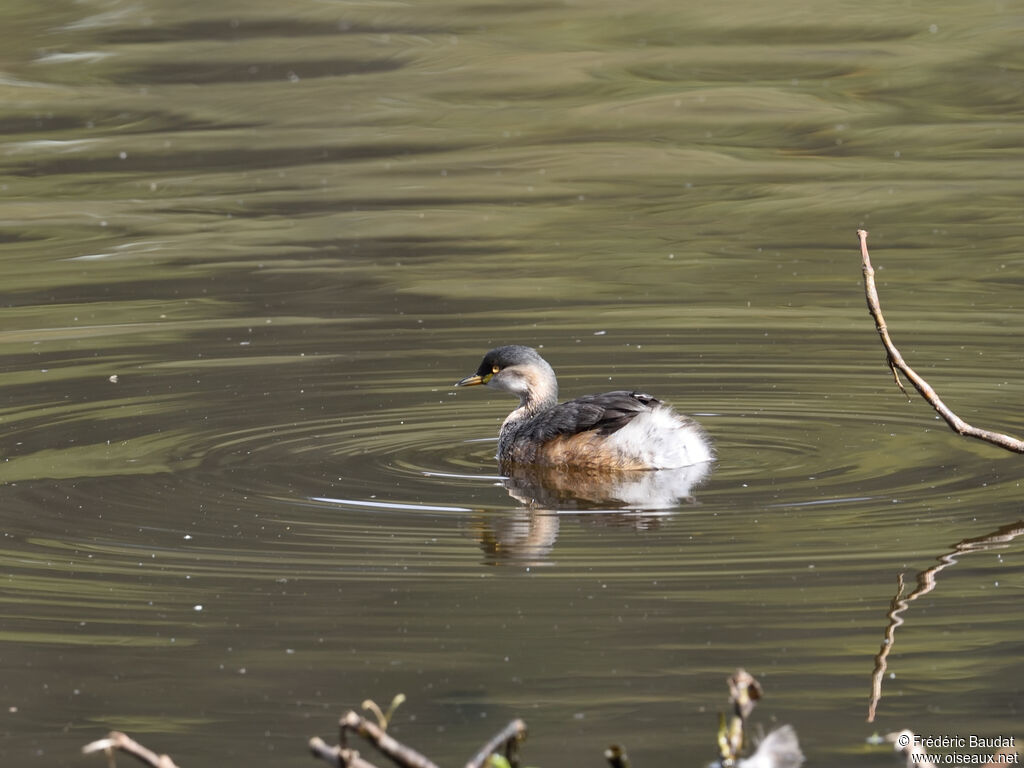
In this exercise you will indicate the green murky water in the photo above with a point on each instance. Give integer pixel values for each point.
(246, 248)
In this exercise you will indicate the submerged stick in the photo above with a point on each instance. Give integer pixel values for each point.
(898, 365)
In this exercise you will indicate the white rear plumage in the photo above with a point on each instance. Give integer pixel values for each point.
(662, 439)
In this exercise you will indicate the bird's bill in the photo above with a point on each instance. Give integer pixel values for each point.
(472, 381)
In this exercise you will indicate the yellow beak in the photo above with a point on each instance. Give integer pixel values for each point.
(472, 381)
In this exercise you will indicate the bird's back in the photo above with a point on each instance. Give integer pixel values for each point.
(613, 430)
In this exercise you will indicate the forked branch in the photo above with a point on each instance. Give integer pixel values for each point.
(898, 365)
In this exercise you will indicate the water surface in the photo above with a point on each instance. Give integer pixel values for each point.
(247, 249)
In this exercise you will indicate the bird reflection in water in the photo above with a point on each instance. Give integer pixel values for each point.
(569, 489)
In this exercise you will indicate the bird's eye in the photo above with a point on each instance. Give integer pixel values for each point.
(495, 369)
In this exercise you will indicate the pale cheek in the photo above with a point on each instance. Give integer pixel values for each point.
(507, 382)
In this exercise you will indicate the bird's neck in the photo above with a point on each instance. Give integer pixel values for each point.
(539, 397)
(528, 408)
(536, 401)
(540, 394)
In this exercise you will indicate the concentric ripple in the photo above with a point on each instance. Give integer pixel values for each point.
(794, 436)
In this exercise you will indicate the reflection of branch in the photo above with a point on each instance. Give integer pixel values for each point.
(998, 539)
(898, 365)
(896, 607)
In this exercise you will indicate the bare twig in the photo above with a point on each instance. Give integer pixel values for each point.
(342, 756)
(897, 365)
(510, 736)
(119, 741)
(339, 757)
(386, 745)
(327, 753)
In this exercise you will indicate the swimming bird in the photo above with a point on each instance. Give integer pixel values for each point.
(624, 429)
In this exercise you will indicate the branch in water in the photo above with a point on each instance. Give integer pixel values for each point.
(118, 741)
(385, 744)
(898, 365)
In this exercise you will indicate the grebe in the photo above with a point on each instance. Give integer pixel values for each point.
(614, 430)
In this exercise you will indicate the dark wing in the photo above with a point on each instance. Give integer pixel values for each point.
(605, 413)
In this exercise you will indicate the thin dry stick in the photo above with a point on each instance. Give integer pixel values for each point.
(337, 756)
(388, 746)
(898, 365)
(120, 741)
(512, 733)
